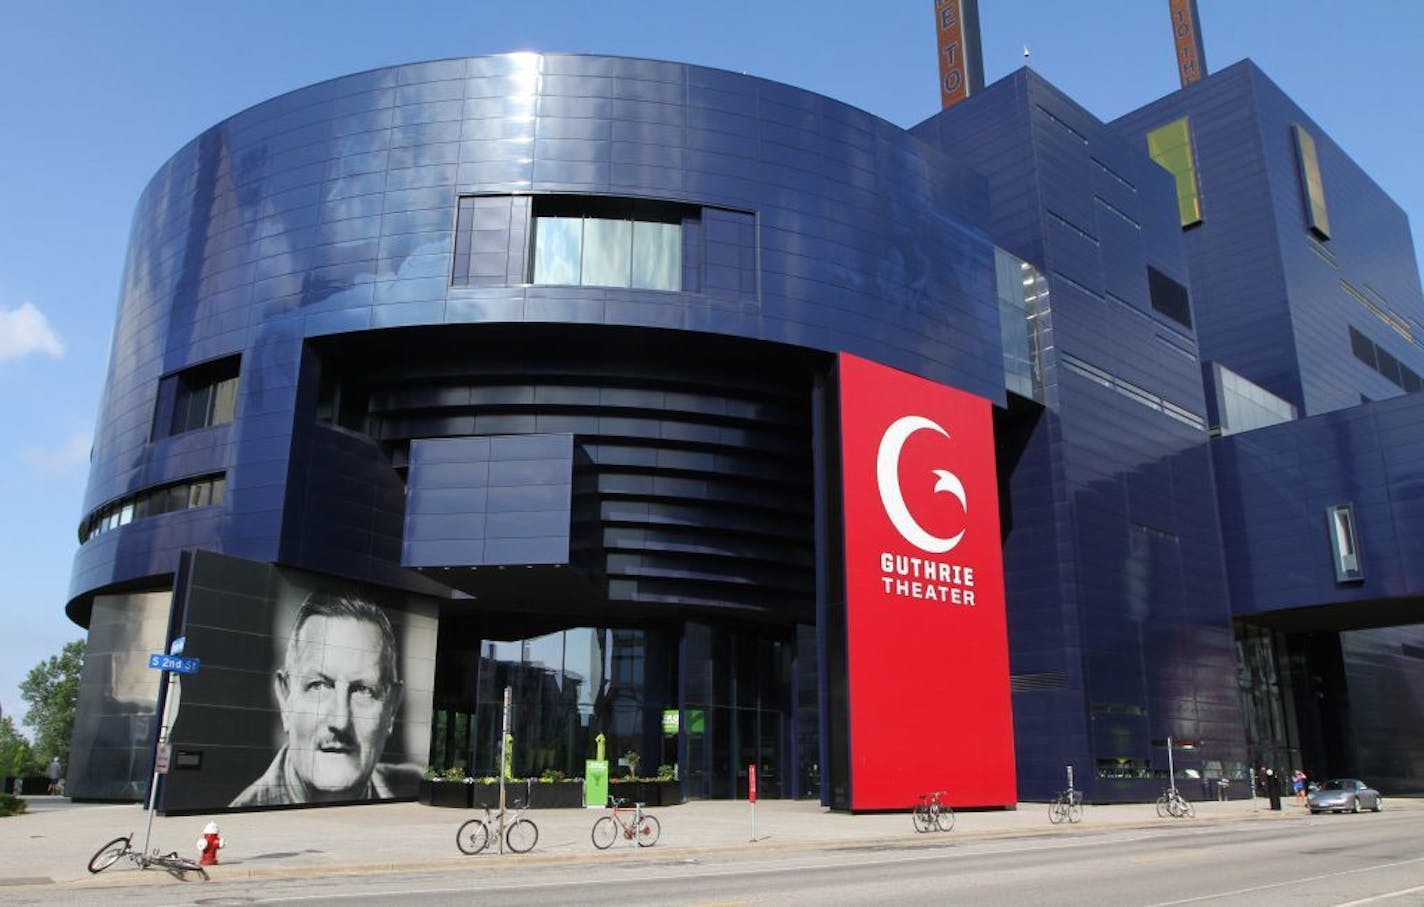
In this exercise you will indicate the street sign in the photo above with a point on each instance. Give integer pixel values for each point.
(176, 646)
(174, 663)
(160, 764)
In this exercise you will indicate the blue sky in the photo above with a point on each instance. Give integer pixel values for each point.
(97, 95)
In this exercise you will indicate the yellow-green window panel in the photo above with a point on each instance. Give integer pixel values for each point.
(1317, 217)
(1171, 147)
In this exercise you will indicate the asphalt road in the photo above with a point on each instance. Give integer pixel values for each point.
(1324, 860)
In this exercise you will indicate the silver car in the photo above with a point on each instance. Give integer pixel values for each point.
(1343, 794)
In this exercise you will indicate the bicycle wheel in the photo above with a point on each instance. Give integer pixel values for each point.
(1162, 807)
(647, 831)
(1184, 809)
(605, 832)
(108, 855)
(472, 836)
(944, 818)
(521, 836)
(923, 820)
(1057, 812)
(1075, 810)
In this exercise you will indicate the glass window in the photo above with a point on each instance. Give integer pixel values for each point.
(558, 250)
(224, 402)
(1317, 218)
(1171, 147)
(609, 242)
(657, 256)
(1343, 543)
(607, 252)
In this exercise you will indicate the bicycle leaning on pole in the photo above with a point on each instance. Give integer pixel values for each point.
(520, 834)
(1068, 805)
(933, 813)
(1173, 804)
(639, 827)
(119, 848)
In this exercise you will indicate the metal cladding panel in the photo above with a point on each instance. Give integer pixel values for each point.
(330, 211)
(1276, 483)
(489, 501)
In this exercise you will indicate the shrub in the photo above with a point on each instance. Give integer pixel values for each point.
(552, 774)
(453, 773)
(667, 772)
(11, 805)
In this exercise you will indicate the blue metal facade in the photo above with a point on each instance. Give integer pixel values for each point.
(329, 211)
(364, 246)
(1299, 314)
(1120, 626)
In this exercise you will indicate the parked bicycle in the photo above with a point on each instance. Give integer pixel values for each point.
(119, 848)
(1067, 806)
(634, 825)
(520, 834)
(933, 813)
(1173, 804)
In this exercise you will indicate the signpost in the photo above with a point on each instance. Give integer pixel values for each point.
(170, 665)
(751, 795)
(174, 663)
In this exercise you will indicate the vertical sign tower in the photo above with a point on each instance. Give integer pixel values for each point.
(961, 60)
(1186, 35)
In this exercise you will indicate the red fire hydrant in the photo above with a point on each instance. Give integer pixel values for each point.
(209, 844)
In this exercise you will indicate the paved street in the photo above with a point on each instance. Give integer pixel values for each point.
(404, 853)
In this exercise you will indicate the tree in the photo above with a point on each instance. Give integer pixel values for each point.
(16, 757)
(51, 690)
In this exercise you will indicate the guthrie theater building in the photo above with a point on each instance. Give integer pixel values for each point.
(743, 428)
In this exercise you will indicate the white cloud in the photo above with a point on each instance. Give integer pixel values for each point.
(48, 461)
(25, 330)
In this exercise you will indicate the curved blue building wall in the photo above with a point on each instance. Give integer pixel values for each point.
(329, 211)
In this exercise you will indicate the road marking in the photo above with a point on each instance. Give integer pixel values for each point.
(1383, 897)
(1301, 881)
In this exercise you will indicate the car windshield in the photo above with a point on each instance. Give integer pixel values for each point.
(1338, 785)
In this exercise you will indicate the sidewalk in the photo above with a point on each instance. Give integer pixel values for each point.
(51, 844)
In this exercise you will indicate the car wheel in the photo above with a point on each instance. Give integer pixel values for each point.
(1379, 803)
(1355, 806)
(1315, 812)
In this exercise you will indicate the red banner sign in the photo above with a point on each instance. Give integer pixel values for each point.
(927, 646)
(751, 782)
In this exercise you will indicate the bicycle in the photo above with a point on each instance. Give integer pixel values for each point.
(1173, 804)
(933, 813)
(1066, 806)
(520, 834)
(119, 848)
(642, 827)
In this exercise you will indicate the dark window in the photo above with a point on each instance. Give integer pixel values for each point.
(1363, 348)
(202, 492)
(197, 397)
(1382, 361)
(1389, 367)
(1169, 297)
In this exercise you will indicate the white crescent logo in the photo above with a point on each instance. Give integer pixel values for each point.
(887, 474)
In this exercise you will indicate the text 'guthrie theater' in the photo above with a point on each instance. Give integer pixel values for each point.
(741, 428)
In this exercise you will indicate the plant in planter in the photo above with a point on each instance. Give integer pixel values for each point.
(632, 759)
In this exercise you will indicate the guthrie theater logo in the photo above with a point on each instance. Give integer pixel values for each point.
(912, 576)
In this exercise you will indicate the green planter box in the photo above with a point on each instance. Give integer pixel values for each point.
(454, 794)
(649, 793)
